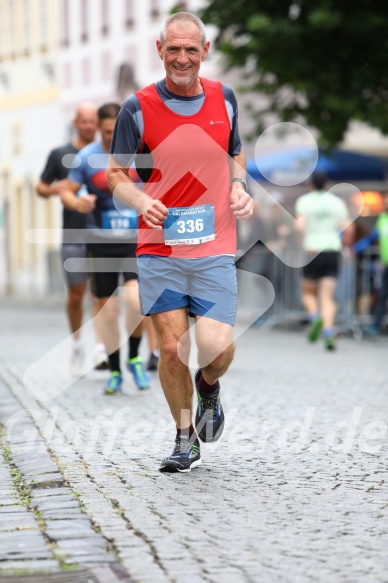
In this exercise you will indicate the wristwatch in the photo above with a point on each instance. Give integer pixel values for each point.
(243, 182)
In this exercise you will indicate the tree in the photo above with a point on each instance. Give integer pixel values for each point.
(319, 62)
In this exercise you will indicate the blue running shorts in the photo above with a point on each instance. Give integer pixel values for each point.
(207, 286)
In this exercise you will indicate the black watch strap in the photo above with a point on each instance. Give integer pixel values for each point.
(243, 182)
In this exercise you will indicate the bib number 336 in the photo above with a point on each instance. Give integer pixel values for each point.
(189, 225)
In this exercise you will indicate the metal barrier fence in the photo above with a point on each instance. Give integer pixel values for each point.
(356, 290)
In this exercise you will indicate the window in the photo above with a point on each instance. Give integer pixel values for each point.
(3, 31)
(84, 21)
(64, 20)
(104, 18)
(126, 83)
(106, 66)
(43, 17)
(85, 71)
(129, 13)
(12, 27)
(26, 26)
(154, 9)
(67, 77)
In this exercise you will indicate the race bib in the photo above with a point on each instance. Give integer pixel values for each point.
(189, 225)
(113, 219)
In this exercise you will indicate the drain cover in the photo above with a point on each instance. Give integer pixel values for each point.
(97, 574)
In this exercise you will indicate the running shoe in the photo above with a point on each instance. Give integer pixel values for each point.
(101, 361)
(371, 331)
(141, 378)
(77, 362)
(114, 383)
(186, 455)
(315, 330)
(153, 362)
(329, 343)
(209, 418)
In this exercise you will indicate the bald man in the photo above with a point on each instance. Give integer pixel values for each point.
(51, 182)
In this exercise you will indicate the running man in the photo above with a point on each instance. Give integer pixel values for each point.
(51, 182)
(321, 218)
(111, 248)
(185, 127)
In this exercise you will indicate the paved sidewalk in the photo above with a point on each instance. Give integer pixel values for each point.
(295, 491)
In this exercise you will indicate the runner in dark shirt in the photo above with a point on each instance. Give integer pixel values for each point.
(73, 246)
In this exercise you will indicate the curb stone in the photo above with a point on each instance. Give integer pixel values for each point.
(42, 526)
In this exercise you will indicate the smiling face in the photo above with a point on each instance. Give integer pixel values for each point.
(182, 54)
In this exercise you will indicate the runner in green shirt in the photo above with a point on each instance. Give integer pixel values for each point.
(321, 217)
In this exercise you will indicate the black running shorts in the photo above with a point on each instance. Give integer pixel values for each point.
(108, 261)
(326, 264)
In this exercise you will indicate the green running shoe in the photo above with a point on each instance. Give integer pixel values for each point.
(140, 376)
(315, 330)
(114, 383)
(329, 343)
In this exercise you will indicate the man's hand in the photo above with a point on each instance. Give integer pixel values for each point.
(85, 204)
(57, 187)
(241, 203)
(154, 213)
(45, 189)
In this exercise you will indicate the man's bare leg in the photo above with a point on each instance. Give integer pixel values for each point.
(74, 308)
(215, 348)
(174, 373)
(309, 297)
(109, 320)
(326, 290)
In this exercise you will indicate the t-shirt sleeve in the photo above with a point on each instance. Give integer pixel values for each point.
(50, 172)
(78, 174)
(127, 137)
(235, 144)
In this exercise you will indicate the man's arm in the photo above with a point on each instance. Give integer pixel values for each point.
(80, 204)
(154, 211)
(45, 189)
(241, 202)
(48, 184)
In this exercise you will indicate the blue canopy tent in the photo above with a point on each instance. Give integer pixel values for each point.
(294, 166)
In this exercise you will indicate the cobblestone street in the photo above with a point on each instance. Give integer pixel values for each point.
(295, 491)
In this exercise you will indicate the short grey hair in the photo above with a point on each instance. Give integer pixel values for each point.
(184, 17)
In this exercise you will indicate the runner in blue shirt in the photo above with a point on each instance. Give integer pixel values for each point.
(111, 243)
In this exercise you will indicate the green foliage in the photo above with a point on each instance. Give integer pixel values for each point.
(322, 62)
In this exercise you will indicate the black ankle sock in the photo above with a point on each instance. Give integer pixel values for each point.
(134, 344)
(204, 387)
(185, 431)
(114, 361)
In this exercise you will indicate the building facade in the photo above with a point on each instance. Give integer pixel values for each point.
(53, 55)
